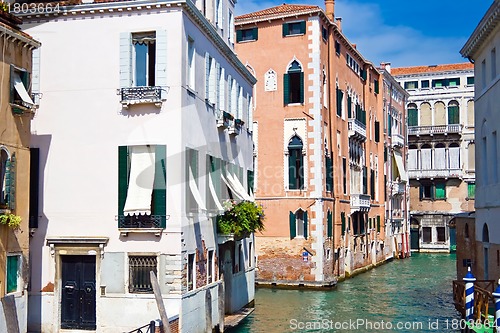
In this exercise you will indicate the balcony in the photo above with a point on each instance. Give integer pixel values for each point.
(431, 130)
(398, 188)
(360, 202)
(224, 119)
(141, 223)
(357, 129)
(235, 129)
(397, 140)
(435, 173)
(141, 95)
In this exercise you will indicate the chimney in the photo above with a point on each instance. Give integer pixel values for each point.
(329, 8)
(386, 66)
(338, 21)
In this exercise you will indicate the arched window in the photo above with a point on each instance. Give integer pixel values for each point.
(454, 156)
(295, 164)
(298, 224)
(7, 179)
(470, 113)
(293, 84)
(439, 113)
(440, 157)
(426, 157)
(453, 113)
(486, 234)
(472, 156)
(412, 158)
(412, 115)
(425, 114)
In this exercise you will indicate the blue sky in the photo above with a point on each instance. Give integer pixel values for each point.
(402, 32)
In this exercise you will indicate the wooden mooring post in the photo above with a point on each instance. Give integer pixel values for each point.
(165, 325)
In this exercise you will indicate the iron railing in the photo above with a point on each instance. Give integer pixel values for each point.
(136, 95)
(140, 221)
(149, 328)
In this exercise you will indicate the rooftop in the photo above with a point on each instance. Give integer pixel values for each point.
(278, 11)
(432, 69)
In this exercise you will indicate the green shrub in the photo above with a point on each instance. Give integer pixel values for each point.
(241, 218)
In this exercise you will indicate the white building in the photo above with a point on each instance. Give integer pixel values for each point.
(441, 149)
(481, 49)
(144, 107)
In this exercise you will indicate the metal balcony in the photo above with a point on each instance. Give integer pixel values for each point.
(397, 140)
(140, 221)
(435, 173)
(360, 202)
(431, 130)
(357, 129)
(141, 95)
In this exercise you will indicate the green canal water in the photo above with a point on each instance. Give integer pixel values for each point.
(410, 295)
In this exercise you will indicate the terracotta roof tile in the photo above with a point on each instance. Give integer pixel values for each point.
(431, 69)
(278, 11)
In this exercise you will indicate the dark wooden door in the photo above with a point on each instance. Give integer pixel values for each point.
(78, 292)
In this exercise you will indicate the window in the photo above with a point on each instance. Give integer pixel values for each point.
(329, 173)
(426, 192)
(453, 82)
(7, 180)
(372, 184)
(139, 276)
(293, 84)
(440, 189)
(324, 33)
(493, 64)
(438, 83)
(298, 224)
(221, 91)
(471, 190)
(13, 262)
(424, 84)
(378, 223)
(377, 131)
(426, 234)
(190, 272)
(144, 58)
(376, 86)
(365, 180)
(343, 225)
(411, 85)
(19, 89)
(193, 196)
(329, 224)
(142, 186)
(441, 234)
(210, 266)
(191, 64)
(337, 47)
(210, 79)
(295, 164)
(34, 187)
(483, 73)
(246, 35)
(218, 14)
(231, 28)
(470, 80)
(453, 113)
(340, 98)
(250, 254)
(294, 28)
(412, 115)
(344, 175)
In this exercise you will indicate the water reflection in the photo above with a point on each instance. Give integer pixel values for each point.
(415, 294)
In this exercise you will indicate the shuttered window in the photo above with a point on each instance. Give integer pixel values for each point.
(377, 131)
(412, 117)
(294, 28)
(342, 220)
(329, 224)
(440, 191)
(293, 225)
(12, 273)
(453, 114)
(293, 84)
(295, 164)
(329, 173)
(34, 186)
(246, 35)
(471, 190)
(378, 223)
(340, 98)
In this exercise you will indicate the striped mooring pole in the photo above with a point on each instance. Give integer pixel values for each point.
(469, 295)
(496, 295)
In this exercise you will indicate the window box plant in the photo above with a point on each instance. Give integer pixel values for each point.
(240, 219)
(11, 220)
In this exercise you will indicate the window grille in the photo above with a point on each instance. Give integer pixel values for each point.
(139, 278)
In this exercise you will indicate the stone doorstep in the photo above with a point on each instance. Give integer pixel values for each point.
(234, 319)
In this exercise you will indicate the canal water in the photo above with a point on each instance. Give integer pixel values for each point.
(410, 295)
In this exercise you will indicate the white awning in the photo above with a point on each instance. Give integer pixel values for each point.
(231, 187)
(243, 193)
(142, 176)
(214, 194)
(194, 190)
(21, 89)
(401, 167)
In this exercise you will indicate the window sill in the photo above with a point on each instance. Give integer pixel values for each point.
(246, 41)
(294, 35)
(125, 231)
(295, 104)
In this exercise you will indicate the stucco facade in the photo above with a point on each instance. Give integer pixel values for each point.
(16, 113)
(441, 142)
(318, 157)
(135, 133)
(481, 50)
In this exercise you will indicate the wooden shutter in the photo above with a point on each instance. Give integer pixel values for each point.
(293, 226)
(160, 184)
(10, 181)
(292, 164)
(250, 181)
(123, 174)
(125, 59)
(12, 268)
(303, 27)
(161, 60)
(239, 36)
(255, 33)
(207, 76)
(301, 87)
(285, 29)
(305, 225)
(34, 186)
(329, 223)
(286, 89)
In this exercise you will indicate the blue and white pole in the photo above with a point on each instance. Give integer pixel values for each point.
(496, 295)
(469, 295)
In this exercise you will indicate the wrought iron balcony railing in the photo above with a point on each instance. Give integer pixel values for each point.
(140, 221)
(439, 129)
(141, 95)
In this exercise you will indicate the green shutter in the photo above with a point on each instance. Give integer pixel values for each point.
(12, 89)
(239, 36)
(301, 87)
(453, 116)
(412, 117)
(421, 191)
(377, 131)
(378, 223)
(376, 87)
(389, 125)
(329, 224)
(305, 225)
(363, 74)
(285, 29)
(160, 184)
(122, 177)
(286, 89)
(339, 102)
(250, 181)
(292, 179)
(303, 27)
(440, 191)
(342, 219)
(471, 190)
(293, 226)
(349, 107)
(12, 268)
(10, 182)
(329, 174)
(385, 154)
(255, 33)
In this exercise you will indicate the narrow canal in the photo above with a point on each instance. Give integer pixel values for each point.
(411, 295)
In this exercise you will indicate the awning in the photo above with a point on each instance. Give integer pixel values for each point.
(21, 89)
(214, 194)
(231, 187)
(142, 176)
(194, 191)
(401, 167)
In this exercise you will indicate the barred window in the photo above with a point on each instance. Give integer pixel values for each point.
(139, 276)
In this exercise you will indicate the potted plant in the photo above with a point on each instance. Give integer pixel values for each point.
(11, 220)
(240, 219)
